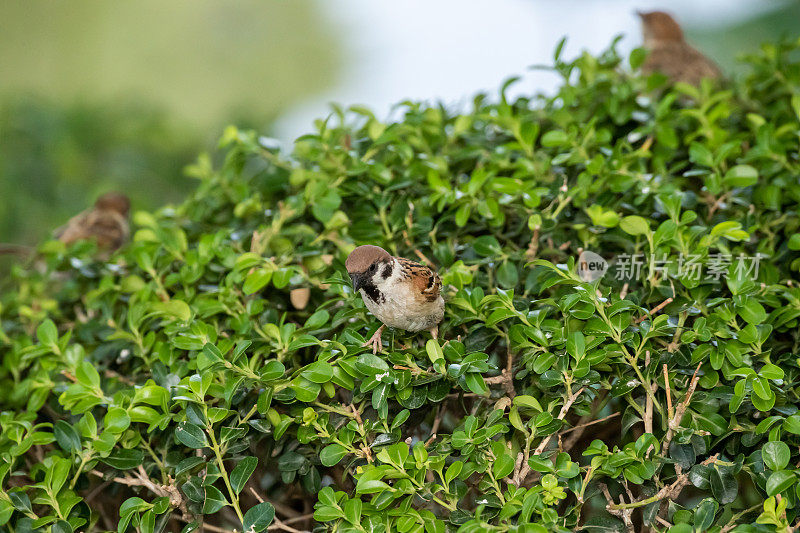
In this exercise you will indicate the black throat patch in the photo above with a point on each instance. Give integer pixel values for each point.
(372, 292)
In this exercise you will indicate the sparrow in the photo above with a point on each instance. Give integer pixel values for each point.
(402, 294)
(106, 223)
(670, 54)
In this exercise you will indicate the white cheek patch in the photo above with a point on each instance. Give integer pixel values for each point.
(383, 283)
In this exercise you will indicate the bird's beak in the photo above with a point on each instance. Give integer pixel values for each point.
(639, 13)
(356, 279)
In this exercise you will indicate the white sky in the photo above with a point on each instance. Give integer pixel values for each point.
(450, 49)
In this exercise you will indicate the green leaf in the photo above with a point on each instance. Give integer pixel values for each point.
(214, 500)
(123, 459)
(776, 455)
(332, 454)
(635, 225)
(503, 466)
(723, 486)
(434, 351)
(475, 383)
(62, 526)
(117, 420)
(47, 333)
(352, 511)
(780, 481)
(67, 436)
(191, 435)
(576, 345)
(242, 472)
(792, 424)
(319, 372)
(487, 246)
(371, 364)
(701, 155)
(741, 176)
(554, 138)
(256, 280)
(173, 308)
(752, 311)
(305, 390)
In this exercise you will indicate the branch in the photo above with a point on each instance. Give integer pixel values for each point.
(623, 514)
(671, 491)
(648, 406)
(522, 459)
(282, 524)
(675, 421)
(561, 415)
(654, 310)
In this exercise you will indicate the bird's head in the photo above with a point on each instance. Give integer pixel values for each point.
(658, 26)
(114, 201)
(365, 263)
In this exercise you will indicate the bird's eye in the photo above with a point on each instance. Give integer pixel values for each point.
(372, 267)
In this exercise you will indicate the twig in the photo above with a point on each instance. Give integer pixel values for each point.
(533, 247)
(587, 424)
(522, 473)
(675, 421)
(561, 415)
(281, 524)
(671, 491)
(437, 420)
(663, 522)
(613, 509)
(143, 480)
(624, 292)
(116, 375)
(648, 406)
(669, 393)
(416, 250)
(506, 377)
(357, 415)
(654, 310)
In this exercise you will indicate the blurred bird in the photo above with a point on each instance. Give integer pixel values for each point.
(670, 54)
(106, 223)
(400, 293)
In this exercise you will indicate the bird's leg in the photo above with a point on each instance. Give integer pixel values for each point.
(435, 332)
(375, 340)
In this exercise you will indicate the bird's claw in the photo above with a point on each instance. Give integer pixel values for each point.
(375, 341)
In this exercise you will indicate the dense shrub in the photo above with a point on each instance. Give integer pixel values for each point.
(185, 381)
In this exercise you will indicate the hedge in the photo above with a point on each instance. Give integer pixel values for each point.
(211, 375)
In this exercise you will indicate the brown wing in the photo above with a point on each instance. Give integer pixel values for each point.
(680, 62)
(108, 228)
(74, 229)
(422, 278)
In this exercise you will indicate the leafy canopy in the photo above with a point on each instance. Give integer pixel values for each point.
(187, 379)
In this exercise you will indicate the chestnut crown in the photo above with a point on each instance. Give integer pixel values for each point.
(660, 26)
(114, 201)
(363, 257)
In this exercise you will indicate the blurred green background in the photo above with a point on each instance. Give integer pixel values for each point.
(98, 94)
(103, 94)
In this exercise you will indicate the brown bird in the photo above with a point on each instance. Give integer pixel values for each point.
(670, 54)
(106, 223)
(402, 294)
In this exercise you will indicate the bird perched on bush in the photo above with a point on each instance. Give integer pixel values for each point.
(402, 294)
(106, 223)
(670, 54)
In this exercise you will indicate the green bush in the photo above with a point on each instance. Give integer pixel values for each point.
(176, 385)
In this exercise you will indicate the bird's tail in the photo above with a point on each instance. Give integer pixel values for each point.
(15, 249)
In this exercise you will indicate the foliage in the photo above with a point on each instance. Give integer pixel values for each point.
(178, 383)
